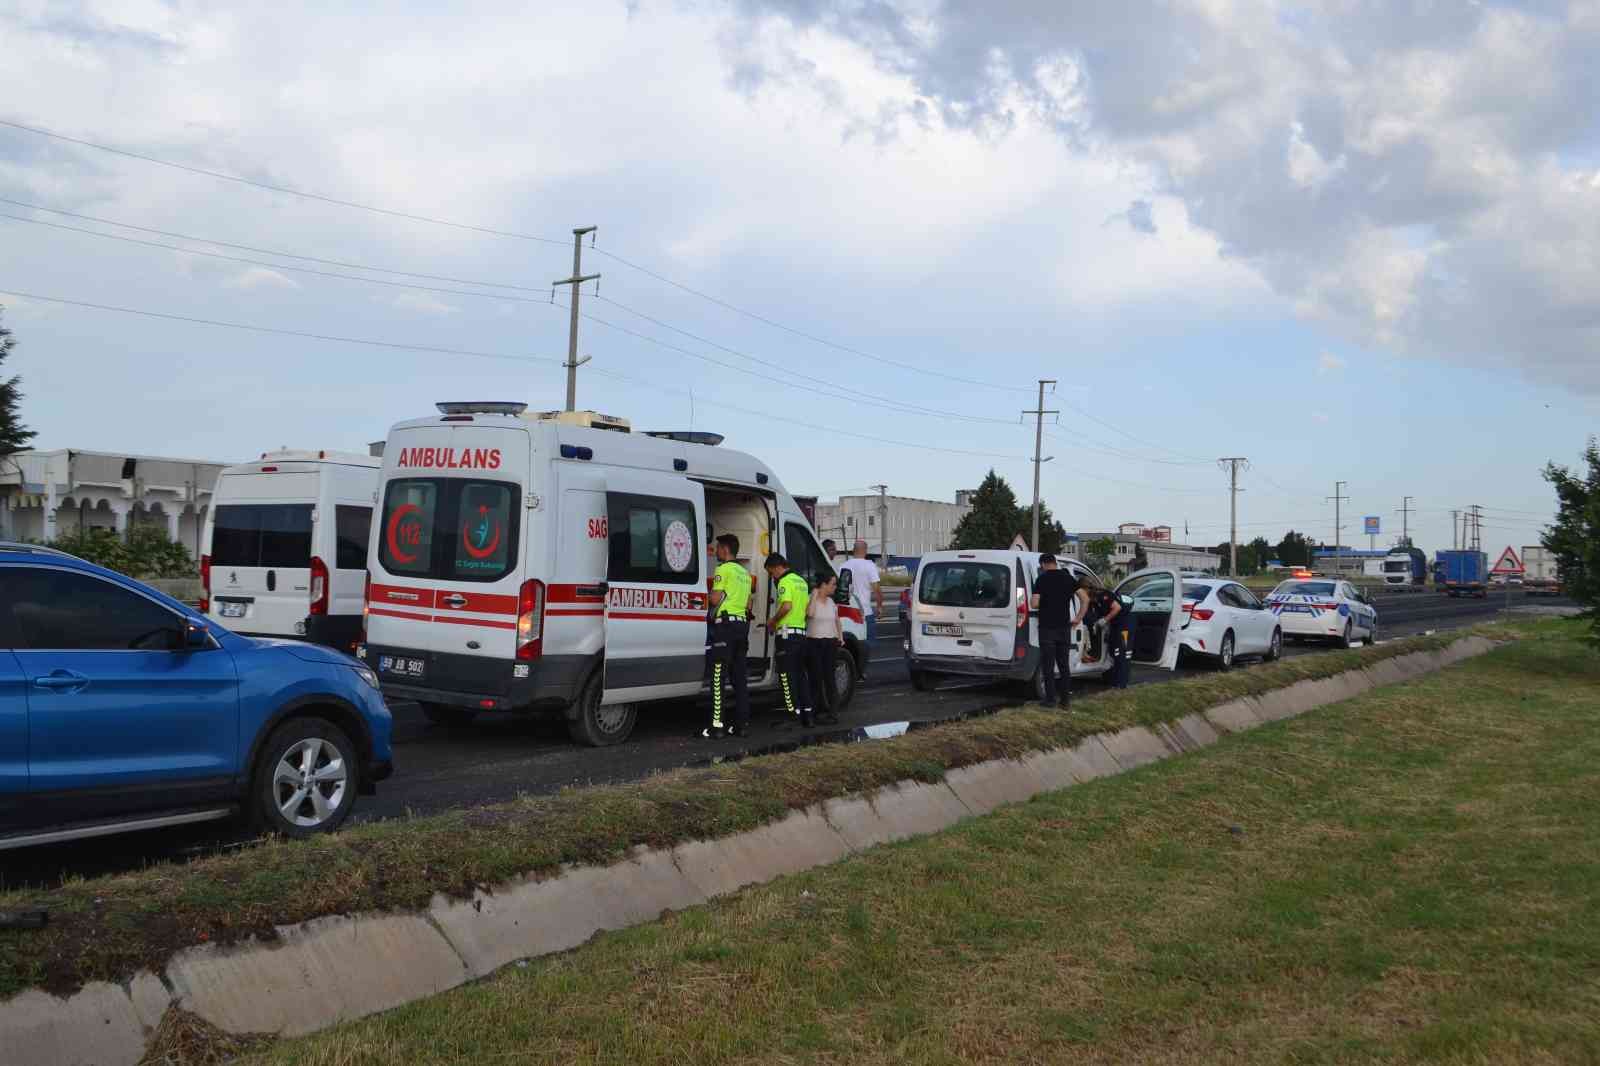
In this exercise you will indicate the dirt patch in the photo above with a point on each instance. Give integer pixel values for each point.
(185, 1039)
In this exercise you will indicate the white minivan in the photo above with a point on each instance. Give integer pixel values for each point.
(558, 562)
(285, 546)
(970, 618)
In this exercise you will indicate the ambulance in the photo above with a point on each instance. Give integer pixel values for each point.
(559, 562)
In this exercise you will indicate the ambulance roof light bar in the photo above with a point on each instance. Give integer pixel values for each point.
(481, 407)
(710, 440)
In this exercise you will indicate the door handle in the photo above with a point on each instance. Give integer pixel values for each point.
(272, 580)
(60, 679)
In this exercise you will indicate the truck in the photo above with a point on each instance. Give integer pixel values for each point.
(1461, 573)
(1404, 568)
(1541, 577)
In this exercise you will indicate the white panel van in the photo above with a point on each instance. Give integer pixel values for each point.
(526, 562)
(285, 546)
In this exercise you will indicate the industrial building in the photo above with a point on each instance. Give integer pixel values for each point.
(896, 525)
(1159, 550)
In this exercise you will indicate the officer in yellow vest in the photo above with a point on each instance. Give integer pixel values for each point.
(730, 638)
(788, 627)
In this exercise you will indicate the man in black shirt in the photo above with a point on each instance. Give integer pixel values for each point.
(1053, 594)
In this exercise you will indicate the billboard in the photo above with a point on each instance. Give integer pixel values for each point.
(1371, 524)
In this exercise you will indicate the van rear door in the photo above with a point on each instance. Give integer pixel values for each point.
(1156, 615)
(967, 607)
(655, 575)
(261, 548)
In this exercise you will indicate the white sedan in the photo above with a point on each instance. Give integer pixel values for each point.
(1326, 608)
(1223, 620)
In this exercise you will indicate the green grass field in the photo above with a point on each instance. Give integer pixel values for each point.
(1413, 876)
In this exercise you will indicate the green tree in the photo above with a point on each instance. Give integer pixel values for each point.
(1574, 538)
(1222, 558)
(146, 553)
(1260, 555)
(1294, 549)
(1141, 561)
(996, 517)
(14, 436)
(1052, 537)
(1097, 554)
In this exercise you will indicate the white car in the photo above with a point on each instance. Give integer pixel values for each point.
(1324, 608)
(1223, 620)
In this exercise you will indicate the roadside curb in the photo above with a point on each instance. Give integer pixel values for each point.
(330, 970)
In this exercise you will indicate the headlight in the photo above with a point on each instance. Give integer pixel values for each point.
(368, 676)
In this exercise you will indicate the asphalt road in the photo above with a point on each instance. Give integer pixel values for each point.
(499, 758)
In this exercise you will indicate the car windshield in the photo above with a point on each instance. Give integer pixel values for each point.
(1193, 590)
(964, 584)
(1396, 566)
(1304, 588)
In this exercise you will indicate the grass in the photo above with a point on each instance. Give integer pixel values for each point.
(1407, 877)
(109, 928)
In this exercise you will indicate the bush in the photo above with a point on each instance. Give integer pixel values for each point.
(147, 553)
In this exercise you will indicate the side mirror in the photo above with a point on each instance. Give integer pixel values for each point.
(196, 635)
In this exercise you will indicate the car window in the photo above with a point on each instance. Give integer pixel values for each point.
(1086, 577)
(1150, 592)
(965, 584)
(1246, 598)
(61, 610)
(449, 528)
(262, 534)
(354, 524)
(1304, 588)
(805, 558)
(653, 539)
(1194, 590)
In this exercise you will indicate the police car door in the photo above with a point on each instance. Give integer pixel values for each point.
(1155, 629)
(655, 598)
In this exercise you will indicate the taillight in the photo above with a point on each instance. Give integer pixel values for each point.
(530, 620)
(1022, 607)
(319, 586)
(1202, 614)
(205, 584)
(366, 606)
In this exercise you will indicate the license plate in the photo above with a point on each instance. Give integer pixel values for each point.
(399, 666)
(232, 610)
(940, 629)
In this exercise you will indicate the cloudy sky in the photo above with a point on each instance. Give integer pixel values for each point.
(1354, 240)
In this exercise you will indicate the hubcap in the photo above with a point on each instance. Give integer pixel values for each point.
(1227, 651)
(309, 783)
(843, 674)
(612, 718)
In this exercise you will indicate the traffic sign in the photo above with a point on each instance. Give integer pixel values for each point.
(1508, 563)
(1371, 522)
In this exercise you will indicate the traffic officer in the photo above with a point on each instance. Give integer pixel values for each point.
(1106, 606)
(730, 638)
(788, 627)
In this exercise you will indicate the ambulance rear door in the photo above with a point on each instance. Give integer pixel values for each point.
(655, 628)
(575, 616)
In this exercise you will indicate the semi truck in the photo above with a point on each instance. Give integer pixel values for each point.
(1540, 577)
(1404, 568)
(1461, 573)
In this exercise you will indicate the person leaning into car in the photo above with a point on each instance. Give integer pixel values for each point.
(1053, 594)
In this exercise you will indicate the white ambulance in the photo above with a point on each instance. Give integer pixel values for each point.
(285, 546)
(559, 562)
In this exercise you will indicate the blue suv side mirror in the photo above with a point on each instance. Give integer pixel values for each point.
(195, 635)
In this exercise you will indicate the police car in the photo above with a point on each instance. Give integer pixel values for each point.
(1324, 608)
(524, 562)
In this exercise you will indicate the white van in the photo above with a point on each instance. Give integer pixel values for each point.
(970, 618)
(528, 562)
(285, 546)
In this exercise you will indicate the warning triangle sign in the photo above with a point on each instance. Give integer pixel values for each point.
(1019, 543)
(1508, 563)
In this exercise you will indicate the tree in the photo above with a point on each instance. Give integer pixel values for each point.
(1222, 558)
(1260, 555)
(1574, 539)
(1097, 554)
(1051, 534)
(1141, 561)
(1294, 549)
(14, 436)
(996, 517)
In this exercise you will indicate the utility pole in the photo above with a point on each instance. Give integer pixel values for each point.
(883, 526)
(1405, 520)
(1455, 531)
(1233, 462)
(578, 278)
(1338, 498)
(1038, 461)
(1477, 528)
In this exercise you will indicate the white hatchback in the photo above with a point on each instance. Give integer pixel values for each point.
(1325, 608)
(1223, 620)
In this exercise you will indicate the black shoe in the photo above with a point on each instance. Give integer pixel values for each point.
(807, 722)
(738, 731)
(714, 732)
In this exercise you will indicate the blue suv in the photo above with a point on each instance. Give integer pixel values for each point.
(123, 709)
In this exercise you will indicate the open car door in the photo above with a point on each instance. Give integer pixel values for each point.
(1155, 629)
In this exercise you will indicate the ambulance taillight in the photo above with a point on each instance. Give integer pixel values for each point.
(366, 606)
(530, 620)
(319, 586)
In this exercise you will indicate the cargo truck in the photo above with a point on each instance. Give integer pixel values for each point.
(1461, 573)
(1540, 577)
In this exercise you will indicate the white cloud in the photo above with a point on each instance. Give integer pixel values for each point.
(1327, 363)
(260, 278)
(426, 303)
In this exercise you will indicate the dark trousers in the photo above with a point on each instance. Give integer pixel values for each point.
(792, 675)
(1121, 657)
(730, 645)
(821, 654)
(1055, 648)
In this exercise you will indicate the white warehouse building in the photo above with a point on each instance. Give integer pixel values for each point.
(913, 527)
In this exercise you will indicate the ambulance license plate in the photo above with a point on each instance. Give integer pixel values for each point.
(941, 629)
(399, 666)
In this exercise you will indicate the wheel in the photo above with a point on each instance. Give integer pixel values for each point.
(922, 680)
(1225, 652)
(305, 779)
(1037, 685)
(1372, 632)
(599, 727)
(1275, 648)
(1347, 638)
(844, 680)
(445, 714)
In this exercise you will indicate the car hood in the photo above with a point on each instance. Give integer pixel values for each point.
(311, 653)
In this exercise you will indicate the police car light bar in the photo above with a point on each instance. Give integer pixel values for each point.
(481, 407)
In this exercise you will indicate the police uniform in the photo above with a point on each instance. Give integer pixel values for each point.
(790, 634)
(1116, 637)
(730, 643)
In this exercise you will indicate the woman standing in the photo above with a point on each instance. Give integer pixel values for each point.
(824, 637)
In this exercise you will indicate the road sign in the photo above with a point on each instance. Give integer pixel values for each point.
(1371, 523)
(1509, 564)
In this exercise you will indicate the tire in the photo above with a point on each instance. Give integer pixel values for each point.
(1225, 652)
(281, 803)
(845, 672)
(922, 681)
(1346, 640)
(446, 715)
(1275, 647)
(599, 727)
(1372, 632)
(1036, 686)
